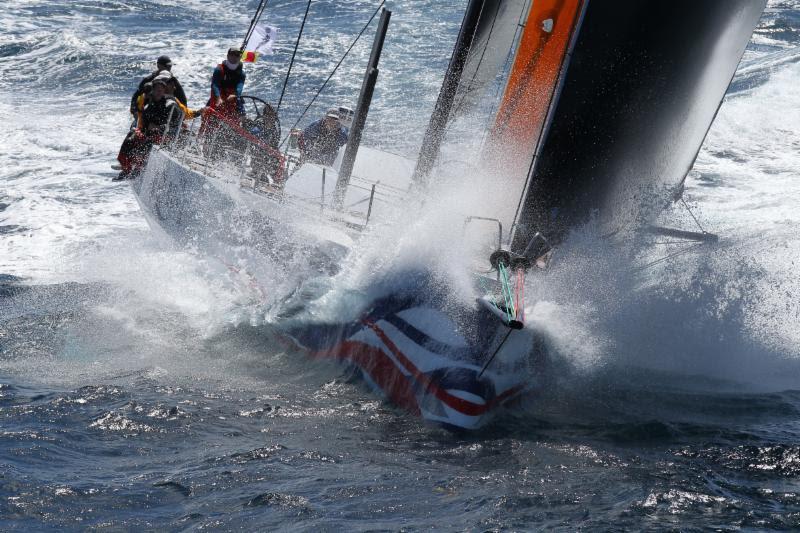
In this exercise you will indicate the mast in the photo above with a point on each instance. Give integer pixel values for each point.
(362, 108)
(434, 135)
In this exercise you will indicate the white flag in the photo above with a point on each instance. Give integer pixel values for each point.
(262, 39)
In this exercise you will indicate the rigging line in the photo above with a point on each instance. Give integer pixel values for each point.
(506, 286)
(692, 215)
(322, 87)
(259, 10)
(294, 53)
(495, 353)
(506, 303)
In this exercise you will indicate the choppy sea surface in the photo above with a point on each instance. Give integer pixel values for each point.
(141, 389)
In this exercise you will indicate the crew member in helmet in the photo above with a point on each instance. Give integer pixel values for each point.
(227, 84)
(163, 63)
(320, 142)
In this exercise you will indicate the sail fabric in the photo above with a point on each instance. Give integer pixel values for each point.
(631, 109)
(531, 83)
(492, 42)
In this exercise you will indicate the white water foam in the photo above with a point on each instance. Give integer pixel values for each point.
(726, 314)
(726, 311)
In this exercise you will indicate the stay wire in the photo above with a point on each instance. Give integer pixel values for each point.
(692, 215)
(294, 53)
(506, 289)
(259, 10)
(495, 353)
(322, 87)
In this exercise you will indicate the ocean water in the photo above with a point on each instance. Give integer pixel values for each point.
(142, 388)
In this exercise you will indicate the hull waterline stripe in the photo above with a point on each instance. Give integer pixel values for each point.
(454, 402)
(399, 388)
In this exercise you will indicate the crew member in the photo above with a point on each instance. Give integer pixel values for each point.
(320, 142)
(157, 111)
(172, 87)
(152, 126)
(163, 63)
(227, 84)
(266, 163)
(267, 127)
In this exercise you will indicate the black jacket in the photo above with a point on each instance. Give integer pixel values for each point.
(156, 114)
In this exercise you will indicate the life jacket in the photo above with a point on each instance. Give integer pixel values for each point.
(141, 102)
(231, 78)
(227, 87)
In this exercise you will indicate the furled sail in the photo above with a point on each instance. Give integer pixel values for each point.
(531, 85)
(487, 34)
(615, 115)
(495, 34)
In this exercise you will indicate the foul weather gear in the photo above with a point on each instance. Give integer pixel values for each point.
(224, 83)
(321, 145)
(180, 95)
(151, 129)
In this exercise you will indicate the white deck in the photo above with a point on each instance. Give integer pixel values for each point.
(311, 187)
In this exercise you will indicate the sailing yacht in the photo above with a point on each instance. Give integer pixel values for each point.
(603, 109)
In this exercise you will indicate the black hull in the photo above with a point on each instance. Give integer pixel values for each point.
(638, 95)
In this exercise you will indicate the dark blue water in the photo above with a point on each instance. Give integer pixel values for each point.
(140, 388)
